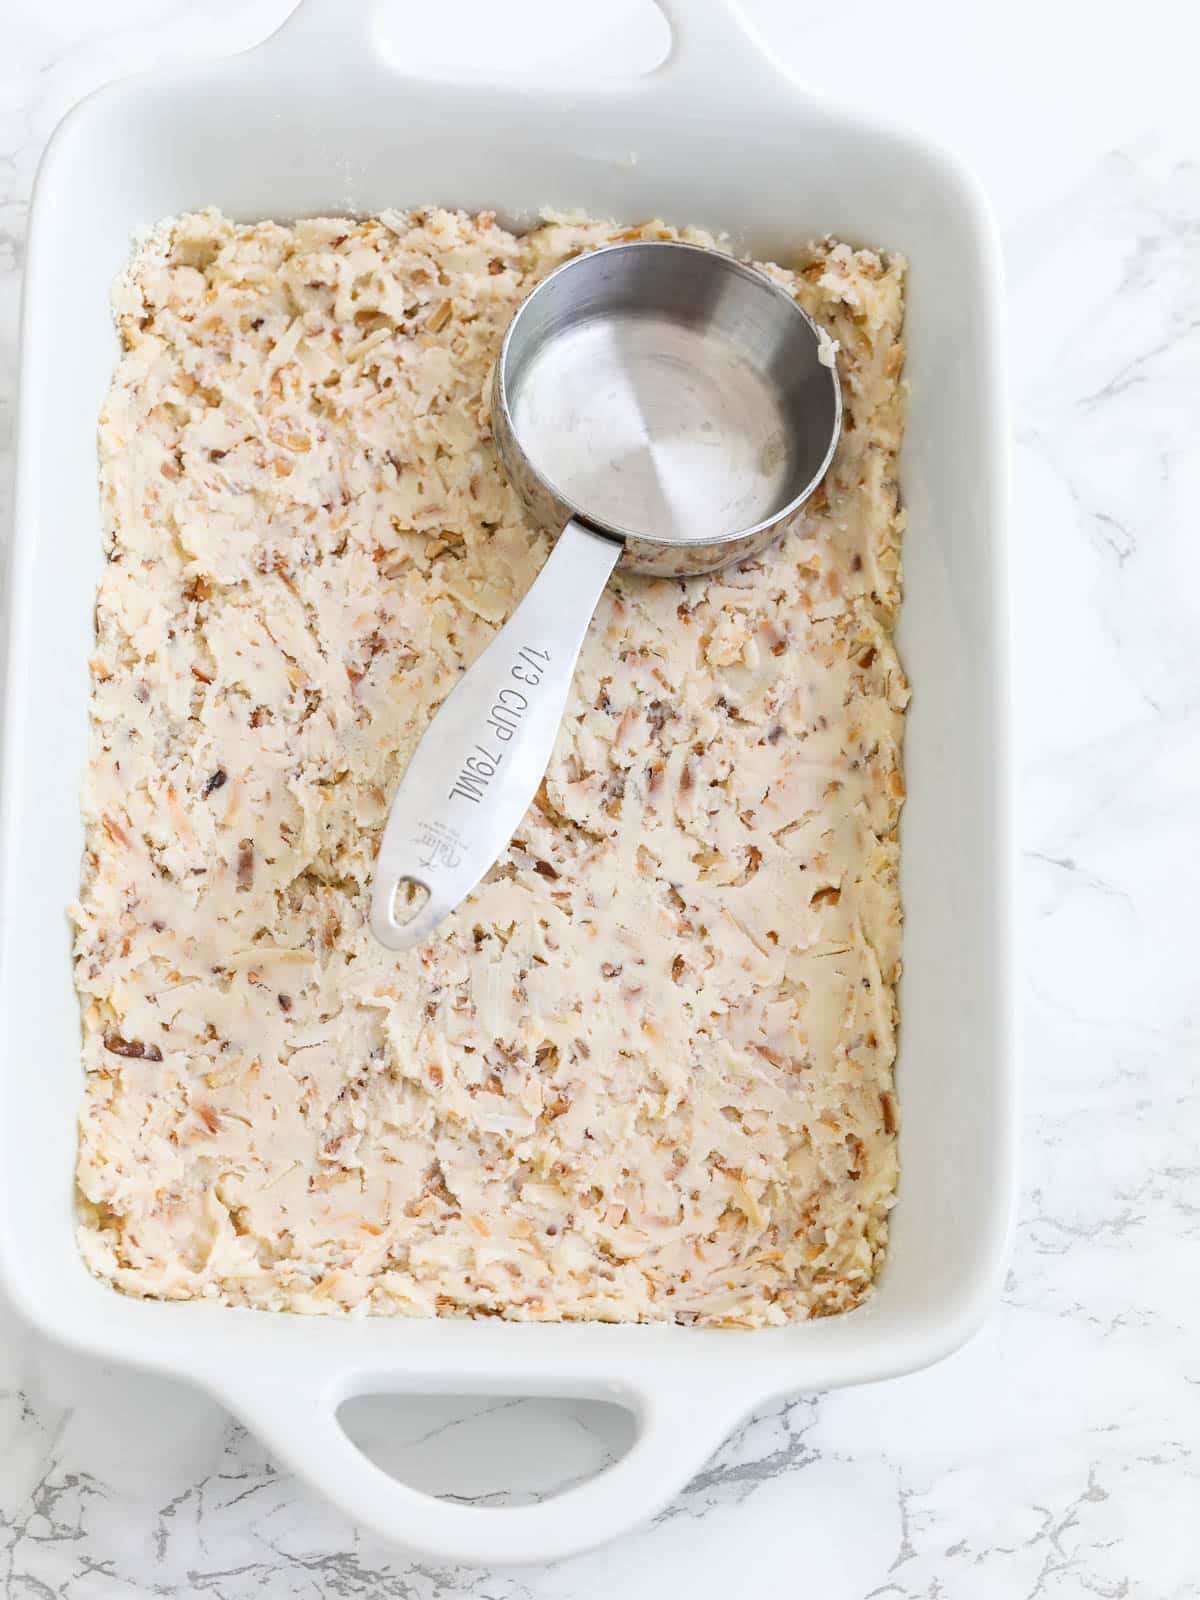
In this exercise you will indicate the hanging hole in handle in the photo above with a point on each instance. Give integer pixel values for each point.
(626, 38)
(409, 898)
(502, 1451)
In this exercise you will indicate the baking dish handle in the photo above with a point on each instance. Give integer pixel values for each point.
(677, 1433)
(711, 42)
(339, 34)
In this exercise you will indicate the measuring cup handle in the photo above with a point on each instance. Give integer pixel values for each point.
(480, 761)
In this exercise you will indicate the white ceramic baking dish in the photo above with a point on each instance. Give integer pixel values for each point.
(317, 120)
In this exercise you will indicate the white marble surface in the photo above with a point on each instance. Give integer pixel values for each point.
(1058, 1455)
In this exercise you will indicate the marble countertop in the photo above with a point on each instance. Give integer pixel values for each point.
(1058, 1454)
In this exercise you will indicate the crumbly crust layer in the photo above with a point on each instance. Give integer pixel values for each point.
(645, 1072)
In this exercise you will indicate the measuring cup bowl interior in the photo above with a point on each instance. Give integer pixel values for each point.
(670, 395)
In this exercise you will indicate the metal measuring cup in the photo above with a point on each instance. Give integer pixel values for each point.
(669, 408)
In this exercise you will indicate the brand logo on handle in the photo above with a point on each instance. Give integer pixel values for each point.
(439, 844)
